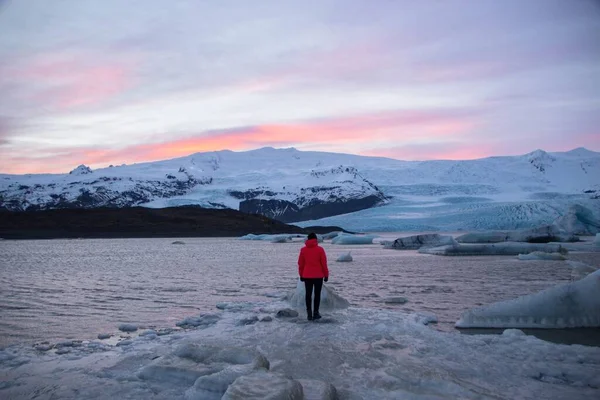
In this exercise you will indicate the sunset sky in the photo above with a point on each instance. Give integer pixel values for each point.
(112, 82)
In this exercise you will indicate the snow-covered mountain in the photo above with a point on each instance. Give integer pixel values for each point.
(362, 193)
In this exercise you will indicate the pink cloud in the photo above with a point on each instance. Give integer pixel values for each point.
(69, 80)
(358, 131)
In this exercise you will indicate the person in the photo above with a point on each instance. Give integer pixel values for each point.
(312, 268)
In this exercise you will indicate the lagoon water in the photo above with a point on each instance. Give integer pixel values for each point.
(74, 289)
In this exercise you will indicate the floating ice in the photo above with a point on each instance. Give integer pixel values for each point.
(329, 299)
(579, 220)
(580, 270)
(543, 234)
(540, 255)
(395, 300)
(281, 239)
(418, 241)
(568, 305)
(347, 257)
(503, 249)
(102, 336)
(597, 240)
(178, 242)
(128, 327)
(331, 235)
(345, 238)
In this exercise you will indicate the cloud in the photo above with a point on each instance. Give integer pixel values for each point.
(343, 133)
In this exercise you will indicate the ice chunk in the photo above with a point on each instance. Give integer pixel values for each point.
(287, 313)
(540, 255)
(424, 318)
(345, 238)
(347, 257)
(505, 249)
(331, 235)
(281, 239)
(543, 234)
(329, 299)
(178, 242)
(128, 327)
(175, 369)
(568, 305)
(597, 240)
(203, 320)
(513, 332)
(579, 220)
(264, 386)
(318, 390)
(580, 270)
(395, 300)
(417, 241)
(102, 336)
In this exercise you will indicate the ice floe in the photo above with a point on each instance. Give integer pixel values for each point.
(346, 257)
(416, 242)
(544, 234)
(346, 238)
(540, 255)
(569, 305)
(504, 248)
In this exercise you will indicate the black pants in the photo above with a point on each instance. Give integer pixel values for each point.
(317, 283)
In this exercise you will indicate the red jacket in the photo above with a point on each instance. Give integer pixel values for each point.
(312, 262)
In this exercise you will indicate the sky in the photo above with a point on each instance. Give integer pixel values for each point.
(113, 82)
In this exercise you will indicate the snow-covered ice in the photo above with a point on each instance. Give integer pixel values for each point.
(503, 248)
(568, 305)
(346, 257)
(363, 354)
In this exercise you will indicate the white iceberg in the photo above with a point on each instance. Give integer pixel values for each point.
(416, 242)
(346, 257)
(346, 238)
(329, 299)
(568, 305)
(541, 255)
(494, 249)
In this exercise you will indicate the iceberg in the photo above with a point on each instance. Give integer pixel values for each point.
(345, 238)
(579, 220)
(494, 249)
(416, 242)
(281, 239)
(331, 235)
(347, 257)
(540, 255)
(544, 234)
(597, 240)
(329, 299)
(568, 305)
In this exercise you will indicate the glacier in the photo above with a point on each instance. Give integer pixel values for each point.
(569, 305)
(359, 193)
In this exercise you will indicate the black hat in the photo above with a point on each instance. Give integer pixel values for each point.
(312, 235)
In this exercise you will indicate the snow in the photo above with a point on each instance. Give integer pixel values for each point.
(345, 238)
(496, 193)
(363, 354)
(504, 249)
(540, 255)
(346, 257)
(568, 305)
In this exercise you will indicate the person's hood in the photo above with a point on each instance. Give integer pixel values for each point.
(311, 243)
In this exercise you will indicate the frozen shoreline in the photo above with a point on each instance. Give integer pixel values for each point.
(364, 353)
